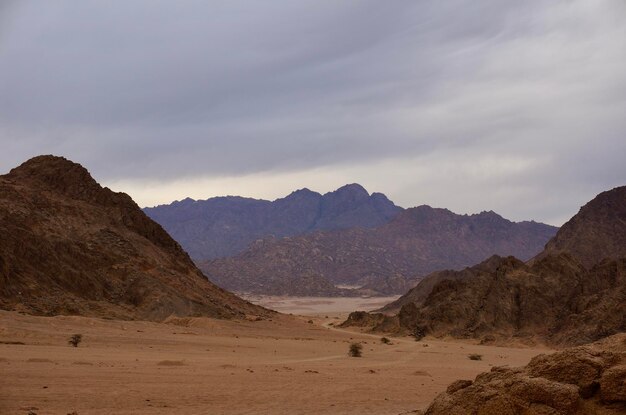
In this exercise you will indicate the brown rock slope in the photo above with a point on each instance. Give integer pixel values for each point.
(555, 300)
(381, 260)
(69, 246)
(564, 296)
(579, 381)
(418, 294)
(596, 232)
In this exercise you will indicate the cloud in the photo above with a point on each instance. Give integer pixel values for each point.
(511, 106)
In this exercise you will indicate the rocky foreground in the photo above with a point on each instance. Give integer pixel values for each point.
(583, 380)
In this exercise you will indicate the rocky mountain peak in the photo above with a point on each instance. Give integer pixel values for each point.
(57, 173)
(70, 246)
(353, 191)
(596, 232)
(224, 226)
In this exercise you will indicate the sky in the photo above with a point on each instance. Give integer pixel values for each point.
(513, 106)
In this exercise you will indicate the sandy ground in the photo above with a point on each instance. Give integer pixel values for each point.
(205, 366)
(319, 305)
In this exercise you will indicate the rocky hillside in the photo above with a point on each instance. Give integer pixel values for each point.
(574, 292)
(382, 260)
(555, 300)
(69, 246)
(579, 381)
(225, 226)
(420, 292)
(596, 232)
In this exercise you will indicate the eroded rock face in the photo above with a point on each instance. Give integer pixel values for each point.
(578, 381)
(596, 232)
(70, 246)
(554, 300)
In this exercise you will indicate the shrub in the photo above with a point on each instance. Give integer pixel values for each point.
(75, 339)
(418, 333)
(475, 356)
(355, 350)
(385, 340)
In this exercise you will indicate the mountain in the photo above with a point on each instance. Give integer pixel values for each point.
(420, 292)
(225, 226)
(597, 231)
(382, 260)
(574, 292)
(577, 381)
(69, 246)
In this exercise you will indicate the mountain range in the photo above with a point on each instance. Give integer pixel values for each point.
(387, 259)
(225, 226)
(573, 292)
(70, 246)
(309, 244)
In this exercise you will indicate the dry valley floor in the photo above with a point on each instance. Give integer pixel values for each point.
(204, 366)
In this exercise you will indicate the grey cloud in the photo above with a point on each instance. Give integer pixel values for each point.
(163, 90)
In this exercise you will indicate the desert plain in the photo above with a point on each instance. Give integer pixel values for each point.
(287, 365)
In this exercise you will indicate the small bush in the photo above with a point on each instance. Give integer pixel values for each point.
(385, 340)
(475, 356)
(75, 339)
(418, 333)
(355, 350)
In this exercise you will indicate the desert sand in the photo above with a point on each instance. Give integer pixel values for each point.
(205, 366)
(319, 305)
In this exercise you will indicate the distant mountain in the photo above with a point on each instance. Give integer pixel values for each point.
(225, 226)
(573, 292)
(69, 246)
(382, 260)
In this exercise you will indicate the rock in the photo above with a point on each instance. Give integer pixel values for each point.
(613, 384)
(458, 385)
(580, 367)
(547, 385)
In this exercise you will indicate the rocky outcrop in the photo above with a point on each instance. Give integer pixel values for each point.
(225, 226)
(382, 322)
(69, 246)
(555, 300)
(383, 260)
(579, 381)
(420, 292)
(596, 232)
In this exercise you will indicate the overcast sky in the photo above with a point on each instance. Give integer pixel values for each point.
(512, 106)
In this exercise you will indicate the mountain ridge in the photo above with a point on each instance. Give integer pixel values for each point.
(415, 242)
(225, 225)
(70, 246)
(573, 292)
